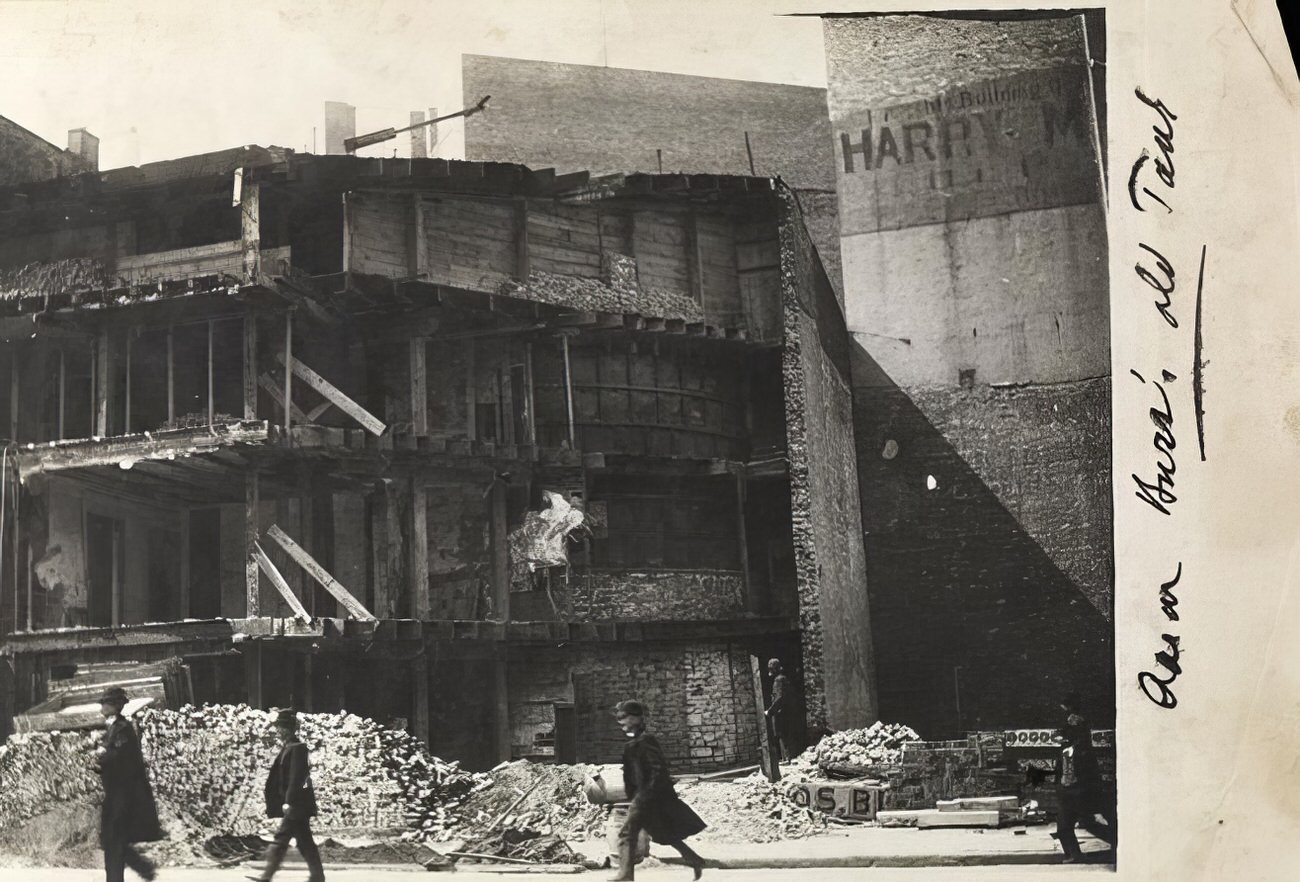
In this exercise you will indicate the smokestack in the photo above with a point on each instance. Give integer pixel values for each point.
(433, 132)
(340, 124)
(85, 145)
(418, 136)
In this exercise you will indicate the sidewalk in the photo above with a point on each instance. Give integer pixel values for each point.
(894, 847)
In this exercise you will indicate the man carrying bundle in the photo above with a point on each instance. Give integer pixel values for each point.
(129, 813)
(290, 797)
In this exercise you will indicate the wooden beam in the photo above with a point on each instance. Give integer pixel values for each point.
(252, 651)
(250, 365)
(417, 247)
(500, 553)
(471, 399)
(528, 381)
(252, 505)
(742, 535)
(102, 385)
(419, 550)
(126, 410)
(768, 754)
(419, 386)
(63, 393)
(250, 229)
(156, 445)
(695, 259)
(420, 697)
(501, 715)
(267, 567)
(267, 382)
(317, 572)
(522, 266)
(185, 564)
(171, 374)
(315, 413)
(287, 360)
(15, 390)
(367, 420)
(212, 402)
(568, 390)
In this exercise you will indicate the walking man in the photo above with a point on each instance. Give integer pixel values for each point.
(656, 807)
(129, 813)
(778, 712)
(290, 797)
(1081, 786)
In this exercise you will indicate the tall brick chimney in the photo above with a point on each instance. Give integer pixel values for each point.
(419, 137)
(340, 124)
(85, 145)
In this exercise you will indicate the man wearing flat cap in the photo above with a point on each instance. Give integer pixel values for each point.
(656, 807)
(290, 797)
(129, 813)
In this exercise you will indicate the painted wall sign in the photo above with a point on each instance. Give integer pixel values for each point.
(840, 800)
(1022, 738)
(1018, 143)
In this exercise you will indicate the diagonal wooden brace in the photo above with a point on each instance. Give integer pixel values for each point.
(299, 611)
(267, 382)
(318, 572)
(368, 421)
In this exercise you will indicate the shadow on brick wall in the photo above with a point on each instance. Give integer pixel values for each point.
(975, 626)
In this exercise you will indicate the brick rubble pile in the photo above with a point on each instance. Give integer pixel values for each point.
(593, 295)
(878, 744)
(750, 810)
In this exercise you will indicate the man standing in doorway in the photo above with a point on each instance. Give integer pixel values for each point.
(779, 710)
(129, 813)
(1082, 797)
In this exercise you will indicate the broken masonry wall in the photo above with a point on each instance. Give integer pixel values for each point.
(975, 264)
(624, 595)
(30, 158)
(699, 700)
(838, 662)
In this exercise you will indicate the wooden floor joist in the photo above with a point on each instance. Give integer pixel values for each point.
(319, 573)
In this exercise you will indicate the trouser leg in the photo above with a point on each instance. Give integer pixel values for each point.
(310, 853)
(1066, 818)
(276, 851)
(628, 838)
(142, 866)
(114, 861)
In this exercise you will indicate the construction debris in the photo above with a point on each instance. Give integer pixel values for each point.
(860, 749)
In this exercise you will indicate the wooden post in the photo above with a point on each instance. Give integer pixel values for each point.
(126, 424)
(694, 259)
(419, 387)
(15, 391)
(250, 229)
(528, 380)
(568, 390)
(522, 268)
(419, 550)
(212, 404)
(63, 389)
(252, 590)
(420, 696)
(500, 553)
(102, 383)
(417, 260)
(250, 365)
(116, 579)
(742, 494)
(185, 565)
(501, 717)
(288, 371)
(171, 373)
(768, 756)
(252, 651)
(471, 399)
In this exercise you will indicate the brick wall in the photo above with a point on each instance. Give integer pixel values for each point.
(839, 669)
(657, 595)
(28, 157)
(699, 700)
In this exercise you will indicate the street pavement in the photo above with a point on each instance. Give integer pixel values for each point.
(659, 874)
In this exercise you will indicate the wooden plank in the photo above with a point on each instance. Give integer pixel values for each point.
(252, 588)
(367, 420)
(419, 550)
(768, 755)
(522, 269)
(317, 572)
(280, 584)
(500, 553)
(250, 230)
(267, 382)
(419, 386)
(102, 385)
(250, 365)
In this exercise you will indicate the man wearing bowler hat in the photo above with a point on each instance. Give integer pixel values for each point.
(129, 813)
(656, 807)
(290, 797)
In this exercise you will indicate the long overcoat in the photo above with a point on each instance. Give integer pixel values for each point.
(129, 813)
(289, 783)
(649, 785)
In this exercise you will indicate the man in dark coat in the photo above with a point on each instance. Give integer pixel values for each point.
(1082, 796)
(656, 807)
(129, 813)
(290, 797)
(779, 711)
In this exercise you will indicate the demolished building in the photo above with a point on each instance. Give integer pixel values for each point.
(279, 415)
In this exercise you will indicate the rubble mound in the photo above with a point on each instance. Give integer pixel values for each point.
(878, 744)
(752, 809)
(550, 801)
